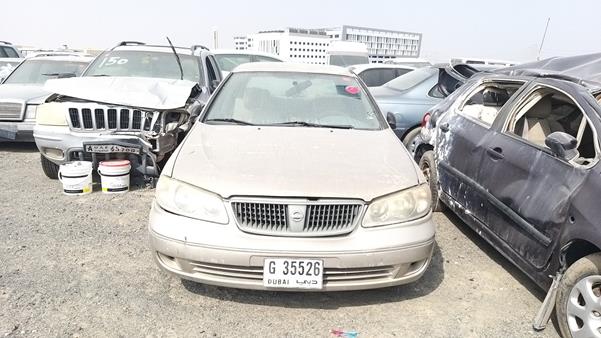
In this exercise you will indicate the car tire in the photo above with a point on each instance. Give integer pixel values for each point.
(428, 168)
(572, 303)
(49, 168)
(410, 136)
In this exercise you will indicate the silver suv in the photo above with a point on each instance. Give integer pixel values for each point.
(292, 179)
(134, 101)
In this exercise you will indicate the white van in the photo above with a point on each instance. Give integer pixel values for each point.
(345, 53)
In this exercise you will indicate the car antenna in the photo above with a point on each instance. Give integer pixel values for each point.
(179, 62)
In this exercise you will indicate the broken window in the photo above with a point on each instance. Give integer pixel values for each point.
(546, 111)
(485, 103)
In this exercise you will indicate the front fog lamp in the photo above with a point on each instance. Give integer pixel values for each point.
(399, 207)
(187, 200)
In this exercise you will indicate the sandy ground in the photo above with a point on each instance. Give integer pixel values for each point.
(80, 266)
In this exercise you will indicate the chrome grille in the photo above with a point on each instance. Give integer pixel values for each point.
(320, 219)
(102, 118)
(11, 111)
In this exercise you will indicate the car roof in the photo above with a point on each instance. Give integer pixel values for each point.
(244, 52)
(73, 58)
(292, 67)
(363, 67)
(151, 48)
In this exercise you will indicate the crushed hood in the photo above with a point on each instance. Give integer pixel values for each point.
(149, 93)
(28, 93)
(585, 69)
(294, 162)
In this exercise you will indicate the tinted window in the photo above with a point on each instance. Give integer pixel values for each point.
(38, 71)
(412, 79)
(484, 104)
(268, 98)
(377, 77)
(8, 52)
(144, 64)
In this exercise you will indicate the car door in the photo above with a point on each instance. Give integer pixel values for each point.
(527, 188)
(461, 134)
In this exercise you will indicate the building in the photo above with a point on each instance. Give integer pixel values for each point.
(310, 45)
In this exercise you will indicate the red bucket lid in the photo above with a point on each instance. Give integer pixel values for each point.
(114, 163)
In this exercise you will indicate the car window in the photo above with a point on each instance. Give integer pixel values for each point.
(39, 71)
(210, 70)
(8, 52)
(145, 64)
(545, 111)
(262, 58)
(267, 98)
(228, 62)
(412, 79)
(484, 104)
(378, 76)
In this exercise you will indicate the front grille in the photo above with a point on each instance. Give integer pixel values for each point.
(11, 110)
(102, 118)
(331, 276)
(319, 219)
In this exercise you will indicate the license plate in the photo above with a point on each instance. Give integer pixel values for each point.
(110, 148)
(293, 273)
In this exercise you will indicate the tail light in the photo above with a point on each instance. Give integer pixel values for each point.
(425, 119)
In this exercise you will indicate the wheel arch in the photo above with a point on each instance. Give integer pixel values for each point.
(576, 249)
(421, 149)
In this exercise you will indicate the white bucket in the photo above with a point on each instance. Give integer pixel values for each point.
(114, 175)
(76, 177)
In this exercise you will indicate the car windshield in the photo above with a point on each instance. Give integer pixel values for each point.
(412, 79)
(39, 71)
(294, 99)
(144, 64)
(228, 62)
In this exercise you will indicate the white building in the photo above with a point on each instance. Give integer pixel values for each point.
(310, 45)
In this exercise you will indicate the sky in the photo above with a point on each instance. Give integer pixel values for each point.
(509, 29)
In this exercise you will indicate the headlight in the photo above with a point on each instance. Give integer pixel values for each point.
(51, 114)
(399, 207)
(30, 111)
(186, 200)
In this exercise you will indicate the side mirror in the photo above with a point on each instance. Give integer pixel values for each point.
(214, 84)
(391, 120)
(563, 145)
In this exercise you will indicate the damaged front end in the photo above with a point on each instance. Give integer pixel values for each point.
(116, 126)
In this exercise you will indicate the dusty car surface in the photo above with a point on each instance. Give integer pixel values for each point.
(516, 156)
(291, 180)
(135, 101)
(23, 91)
(409, 96)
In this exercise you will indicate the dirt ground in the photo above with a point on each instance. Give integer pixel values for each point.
(80, 266)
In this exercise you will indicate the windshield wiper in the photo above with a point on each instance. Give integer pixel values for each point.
(310, 124)
(97, 75)
(234, 121)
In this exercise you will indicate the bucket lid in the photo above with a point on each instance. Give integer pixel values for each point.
(114, 163)
(76, 168)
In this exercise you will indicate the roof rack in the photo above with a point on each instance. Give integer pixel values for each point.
(195, 47)
(5, 42)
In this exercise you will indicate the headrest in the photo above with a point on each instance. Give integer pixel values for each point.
(495, 97)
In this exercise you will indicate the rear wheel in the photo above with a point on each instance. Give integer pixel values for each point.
(578, 303)
(408, 139)
(49, 168)
(428, 168)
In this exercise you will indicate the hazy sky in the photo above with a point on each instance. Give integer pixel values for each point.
(502, 29)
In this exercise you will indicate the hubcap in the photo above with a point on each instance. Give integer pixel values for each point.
(584, 308)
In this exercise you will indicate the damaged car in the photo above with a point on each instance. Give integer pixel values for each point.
(292, 180)
(23, 91)
(135, 101)
(516, 156)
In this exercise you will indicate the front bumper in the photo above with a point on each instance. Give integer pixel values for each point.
(59, 144)
(223, 255)
(21, 131)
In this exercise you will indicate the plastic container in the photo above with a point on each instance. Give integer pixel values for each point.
(76, 177)
(114, 176)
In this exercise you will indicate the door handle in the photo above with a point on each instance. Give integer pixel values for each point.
(444, 127)
(496, 153)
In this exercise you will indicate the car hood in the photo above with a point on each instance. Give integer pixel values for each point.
(149, 93)
(29, 93)
(294, 162)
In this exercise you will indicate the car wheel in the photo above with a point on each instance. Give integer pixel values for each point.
(410, 136)
(578, 304)
(49, 168)
(428, 168)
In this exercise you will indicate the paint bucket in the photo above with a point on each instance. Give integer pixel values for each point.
(76, 177)
(114, 175)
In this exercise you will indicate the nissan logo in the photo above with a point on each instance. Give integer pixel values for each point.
(297, 216)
